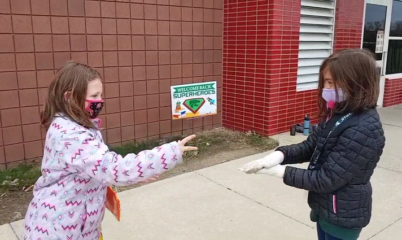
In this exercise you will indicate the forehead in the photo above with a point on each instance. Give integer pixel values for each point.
(327, 74)
(95, 85)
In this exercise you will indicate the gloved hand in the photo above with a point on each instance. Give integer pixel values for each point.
(276, 171)
(269, 161)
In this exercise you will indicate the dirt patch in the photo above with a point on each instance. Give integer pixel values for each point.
(215, 147)
(13, 206)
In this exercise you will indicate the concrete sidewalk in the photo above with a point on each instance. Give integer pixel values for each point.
(222, 203)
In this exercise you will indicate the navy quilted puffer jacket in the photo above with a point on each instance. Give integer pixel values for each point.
(339, 183)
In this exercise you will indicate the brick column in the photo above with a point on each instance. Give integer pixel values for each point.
(260, 61)
(348, 24)
(286, 106)
(260, 55)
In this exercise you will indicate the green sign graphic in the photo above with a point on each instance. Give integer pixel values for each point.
(194, 104)
(194, 90)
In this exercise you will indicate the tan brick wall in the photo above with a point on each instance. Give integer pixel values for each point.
(141, 48)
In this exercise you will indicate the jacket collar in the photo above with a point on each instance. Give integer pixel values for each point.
(97, 122)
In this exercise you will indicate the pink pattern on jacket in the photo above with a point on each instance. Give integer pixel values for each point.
(69, 197)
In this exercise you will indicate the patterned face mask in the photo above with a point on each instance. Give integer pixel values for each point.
(94, 107)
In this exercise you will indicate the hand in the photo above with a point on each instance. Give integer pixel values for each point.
(276, 171)
(183, 142)
(269, 161)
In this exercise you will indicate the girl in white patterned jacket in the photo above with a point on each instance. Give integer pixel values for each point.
(70, 196)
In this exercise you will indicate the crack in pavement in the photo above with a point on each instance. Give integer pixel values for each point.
(15, 233)
(391, 125)
(388, 169)
(385, 228)
(248, 198)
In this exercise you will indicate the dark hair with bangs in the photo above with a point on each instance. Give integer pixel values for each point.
(355, 72)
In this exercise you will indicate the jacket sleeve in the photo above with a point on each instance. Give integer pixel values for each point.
(85, 154)
(301, 152)
(354, 149)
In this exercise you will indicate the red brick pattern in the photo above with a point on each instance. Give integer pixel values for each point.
(140, 47)
(260, 60)
(260, 57)
(348, 24)
(392, 92)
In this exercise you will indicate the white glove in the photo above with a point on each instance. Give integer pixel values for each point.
(269, 161)
(276, 171)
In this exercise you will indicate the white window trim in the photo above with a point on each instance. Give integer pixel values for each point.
(394, 76)
(300, 88)
(383, 64)
(388, 4)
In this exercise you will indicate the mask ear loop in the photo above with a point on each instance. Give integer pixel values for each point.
(99, 123)
(88, 108)
(330, 106)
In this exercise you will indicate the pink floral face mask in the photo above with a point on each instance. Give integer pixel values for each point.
(94, 107)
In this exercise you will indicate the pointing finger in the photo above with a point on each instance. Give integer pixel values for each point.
(190, 148)
(187, 139)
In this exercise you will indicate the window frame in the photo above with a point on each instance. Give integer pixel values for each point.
(391, 75)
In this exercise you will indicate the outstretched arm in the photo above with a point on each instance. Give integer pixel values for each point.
(89, 156)
(351, 154)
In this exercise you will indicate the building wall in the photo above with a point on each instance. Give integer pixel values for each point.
(140, 47)
(392, 92)
(348, 24)
(260, 60)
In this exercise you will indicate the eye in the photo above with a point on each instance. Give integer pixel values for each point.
(95, 95)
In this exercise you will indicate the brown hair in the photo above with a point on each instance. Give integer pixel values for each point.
(355, 72)
(72, 77)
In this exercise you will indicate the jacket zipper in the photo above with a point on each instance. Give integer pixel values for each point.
(334, 204)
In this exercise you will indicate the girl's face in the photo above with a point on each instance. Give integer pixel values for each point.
(94, 91)
(330, 94)
(328, 81)
(93, 101)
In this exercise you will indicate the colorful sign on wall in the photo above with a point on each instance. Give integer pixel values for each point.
(194, 100)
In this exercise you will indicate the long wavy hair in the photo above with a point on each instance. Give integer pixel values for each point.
(73, 79)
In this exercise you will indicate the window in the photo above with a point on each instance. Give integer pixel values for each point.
(394, 61)
(396, 19)
(394, 56)
(374, 21)
(316, 40)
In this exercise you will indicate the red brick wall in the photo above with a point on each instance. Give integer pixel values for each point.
(392, 92)
(348, 24)
(141, 47)
(287, 106)
(260, 60)
(260, 49)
